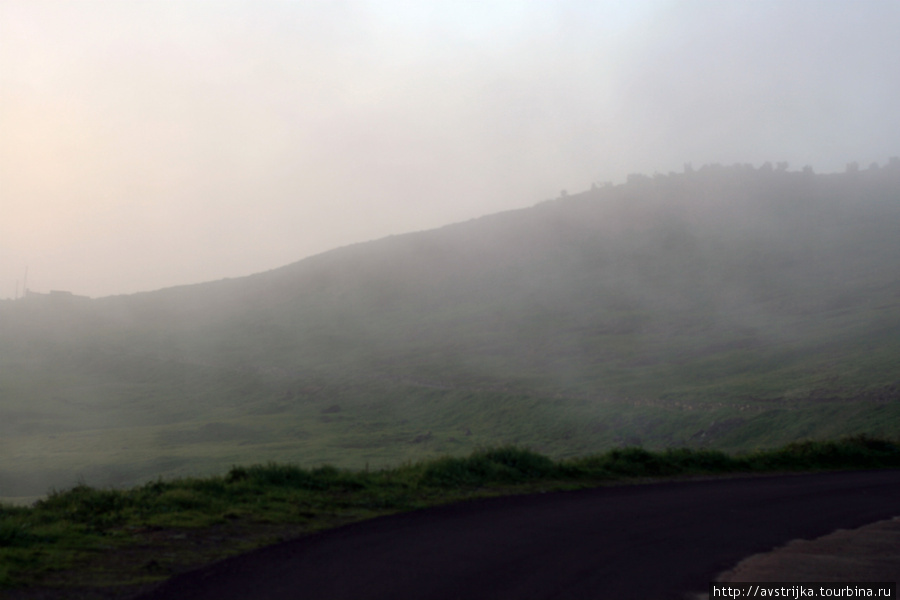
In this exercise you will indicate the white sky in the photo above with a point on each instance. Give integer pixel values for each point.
(145, 144)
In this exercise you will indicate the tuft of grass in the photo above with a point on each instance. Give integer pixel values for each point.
(291, 476)
(853, 452)
(71, 530)
(507, 464)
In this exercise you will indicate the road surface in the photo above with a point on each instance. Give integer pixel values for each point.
(654, 541)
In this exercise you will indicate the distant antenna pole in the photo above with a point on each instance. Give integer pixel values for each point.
(25, 284)
(17, 290)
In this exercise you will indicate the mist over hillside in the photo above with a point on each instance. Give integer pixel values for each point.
(716, 288)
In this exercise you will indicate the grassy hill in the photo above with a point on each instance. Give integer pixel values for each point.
(728, 307)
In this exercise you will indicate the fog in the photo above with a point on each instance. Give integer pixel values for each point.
(150, 144)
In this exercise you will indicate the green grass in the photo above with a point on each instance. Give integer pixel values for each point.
(86, 537)
(617, 318)
(380, 425)
(119, 391)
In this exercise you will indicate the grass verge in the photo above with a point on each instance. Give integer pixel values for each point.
(86, 542)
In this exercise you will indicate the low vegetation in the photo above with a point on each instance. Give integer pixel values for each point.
(727, 308)
(726, 311)
(85, 538)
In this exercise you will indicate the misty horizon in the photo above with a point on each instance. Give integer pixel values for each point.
(145, 146)
(21, 289)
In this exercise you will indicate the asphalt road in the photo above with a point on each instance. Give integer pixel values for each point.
(655, 541)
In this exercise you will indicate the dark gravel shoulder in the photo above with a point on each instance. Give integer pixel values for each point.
(662, 540)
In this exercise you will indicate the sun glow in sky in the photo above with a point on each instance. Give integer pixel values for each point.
(145, 144)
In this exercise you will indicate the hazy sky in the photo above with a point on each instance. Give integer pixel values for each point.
(145, 144)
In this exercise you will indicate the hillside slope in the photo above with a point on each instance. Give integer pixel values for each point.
(601, 318)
